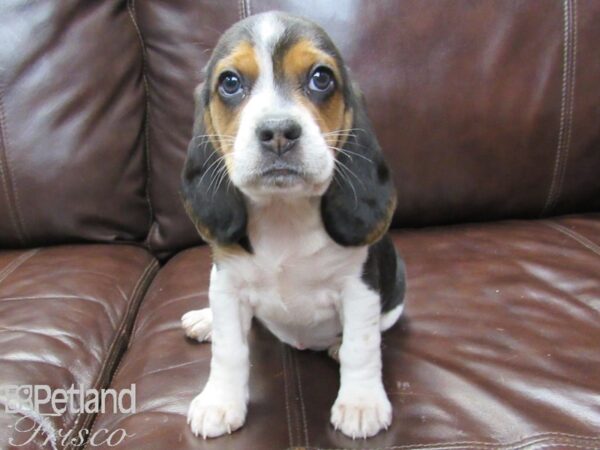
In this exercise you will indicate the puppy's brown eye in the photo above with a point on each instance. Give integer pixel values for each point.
(230, 84)
(321, 80)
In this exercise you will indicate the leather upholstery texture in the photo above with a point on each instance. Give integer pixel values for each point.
(485, 110)
(72, 163)
(65, 316)
(497, 349)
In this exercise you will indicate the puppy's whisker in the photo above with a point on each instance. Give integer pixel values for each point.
(351, 172)
(214, 184)
(213, 163)
(339, 133)
(208, 170)
(222, 177)
(216, 177)
(348, 181)
(350, 152)
(217, 137)
(347, 129)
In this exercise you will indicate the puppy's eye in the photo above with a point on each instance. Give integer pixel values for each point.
(321, 80)
(230, 84)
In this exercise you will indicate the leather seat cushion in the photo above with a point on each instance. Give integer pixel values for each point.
(497, 349)
(65, 315)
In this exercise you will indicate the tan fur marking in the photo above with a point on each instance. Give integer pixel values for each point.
(221, 253)
(340, 139)
(223, 130)
(221, 119)
(203, 231)
(242, 59)
(302, 56)
(383, 225)
(297, 62)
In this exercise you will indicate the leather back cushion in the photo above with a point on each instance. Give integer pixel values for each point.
(486, 109)
(72, 163)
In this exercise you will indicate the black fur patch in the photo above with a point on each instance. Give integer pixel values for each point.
(216, 207)
(359, 200)
(384, 272)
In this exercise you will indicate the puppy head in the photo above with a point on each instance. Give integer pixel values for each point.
(277, 116)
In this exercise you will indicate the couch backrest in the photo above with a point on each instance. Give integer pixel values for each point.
(72, 164)
(486, 109)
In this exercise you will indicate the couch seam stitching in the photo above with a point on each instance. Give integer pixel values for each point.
(16, 263)
(563, 101)
(287, 394)
(566, 60)
(301, 397)
(118, 368)
(297, 417)
(5, 174)
(572, 97)
(132, 13)
(244, 9)
(580, 238)
(148, 270)
(94, 420)
(550, 439)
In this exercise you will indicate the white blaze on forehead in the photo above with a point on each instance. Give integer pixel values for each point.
(266, 100)
(266, 33)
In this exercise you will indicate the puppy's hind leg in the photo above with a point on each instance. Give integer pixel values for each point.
(197, 324)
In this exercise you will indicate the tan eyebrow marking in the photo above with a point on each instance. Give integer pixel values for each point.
(220, 119)
(301, 56)
(243, 59)
(330, 115)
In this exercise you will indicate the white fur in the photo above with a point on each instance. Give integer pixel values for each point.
(197, 324)
(305, 288)
(266, 101)
(295, 278)
(391, 317)
(221, 407)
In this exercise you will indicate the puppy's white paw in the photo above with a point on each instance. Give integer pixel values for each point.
(215, 412)
(197, 324)
(361, 412)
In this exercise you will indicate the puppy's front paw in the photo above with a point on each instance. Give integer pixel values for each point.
(361, 411)
(197, 324)
(215, 412)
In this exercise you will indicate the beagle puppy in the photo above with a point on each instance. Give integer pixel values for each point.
(285, 180)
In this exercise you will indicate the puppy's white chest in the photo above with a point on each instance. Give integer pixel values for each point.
(293, 281)
(296, 302)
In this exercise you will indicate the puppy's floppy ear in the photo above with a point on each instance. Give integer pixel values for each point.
(214, 204)
(357, 207)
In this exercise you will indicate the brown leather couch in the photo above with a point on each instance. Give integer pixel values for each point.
(489, 113)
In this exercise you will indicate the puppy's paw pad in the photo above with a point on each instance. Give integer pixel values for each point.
(213, 414)
(361, 414)
(197, 324)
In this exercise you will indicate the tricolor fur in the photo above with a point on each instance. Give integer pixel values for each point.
(286, 181)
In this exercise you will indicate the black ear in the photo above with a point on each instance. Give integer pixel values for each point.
(357, 207)
(216, 207)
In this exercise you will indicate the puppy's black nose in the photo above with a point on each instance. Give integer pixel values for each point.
(278, 135)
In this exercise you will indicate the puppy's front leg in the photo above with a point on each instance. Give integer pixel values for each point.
(362, 408)
(221, 407)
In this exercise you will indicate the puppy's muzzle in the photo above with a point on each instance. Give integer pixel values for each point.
(278, 135)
